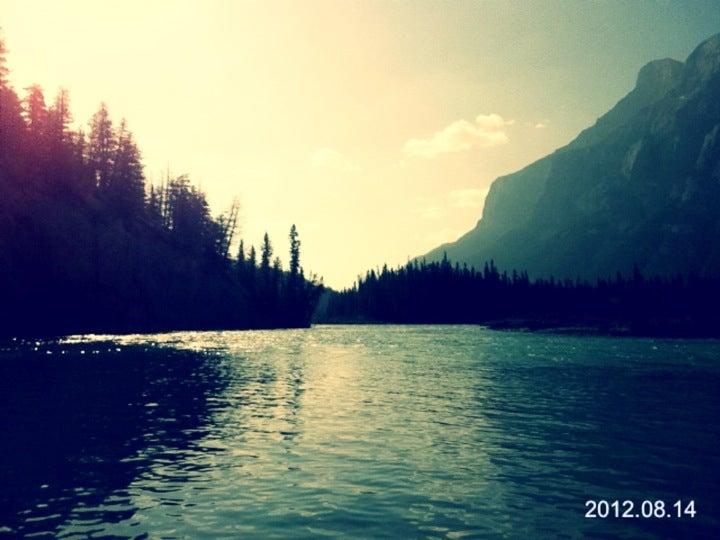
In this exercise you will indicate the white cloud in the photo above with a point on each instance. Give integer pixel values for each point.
(468, 198)
(431, 212)
(328, 158)
(540, 125)
(486, 131)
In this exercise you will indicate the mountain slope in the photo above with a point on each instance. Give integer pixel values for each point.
(641, 186)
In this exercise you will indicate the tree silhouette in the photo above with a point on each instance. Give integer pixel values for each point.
(101, 147)
(439, 292)
(123, 257)
(294, 251)
(265, 255)
(126, 183)
(240, 263)
(3, 64)
(59, 116)
(252, 261)
(35, 113)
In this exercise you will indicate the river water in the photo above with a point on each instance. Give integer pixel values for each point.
(356, 431)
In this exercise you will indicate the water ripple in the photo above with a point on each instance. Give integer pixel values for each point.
(422, 431)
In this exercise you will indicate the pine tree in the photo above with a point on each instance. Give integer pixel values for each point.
(3, 64)
(252, 259)
(127, 181)
(241, 258)
(60, 151)
(36, 119)
(101, 147)
(12, 127)
(12, 131)
(154, 207)
(276, 278)
(59, 117)
(241, 252)
(251, 268)
(81, 172)
(266, 255)
(35, 113)
(294, 251)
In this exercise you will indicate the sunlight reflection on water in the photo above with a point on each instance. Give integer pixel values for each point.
(363, 431)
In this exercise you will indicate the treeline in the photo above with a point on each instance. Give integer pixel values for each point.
(440, 292)
(87, 245)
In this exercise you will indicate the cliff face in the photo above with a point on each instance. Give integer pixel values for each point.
(641, 186)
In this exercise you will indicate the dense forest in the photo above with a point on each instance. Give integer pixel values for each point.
(440, 292)
(87, 245)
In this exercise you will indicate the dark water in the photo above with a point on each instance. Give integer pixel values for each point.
(360, 431)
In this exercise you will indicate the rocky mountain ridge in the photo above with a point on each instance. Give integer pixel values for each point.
(640, 187)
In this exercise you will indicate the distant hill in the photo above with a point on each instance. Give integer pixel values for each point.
(641, 186)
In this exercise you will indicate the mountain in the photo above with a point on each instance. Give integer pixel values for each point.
(640, 187)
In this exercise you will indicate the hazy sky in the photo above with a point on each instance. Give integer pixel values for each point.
(376, 127)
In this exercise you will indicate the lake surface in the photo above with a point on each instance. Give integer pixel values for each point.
(356, 431)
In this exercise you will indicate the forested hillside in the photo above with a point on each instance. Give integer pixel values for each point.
(87, 245)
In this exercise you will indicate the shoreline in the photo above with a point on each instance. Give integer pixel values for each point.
(665, 328)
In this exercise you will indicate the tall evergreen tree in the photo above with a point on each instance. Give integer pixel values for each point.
(59, 116)
(12, 129)
(251, 269)
(36, 120)
(127, 181)
(82, 174)
(35, 113)
(60, 151)
(266, 253)
(276, 278)
(240, 263)
(153, 209)
(266, 256)
(101, 147)
(252, 259)
(3, 64)
(294, 251)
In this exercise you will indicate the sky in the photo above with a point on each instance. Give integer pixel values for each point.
(376, 127)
